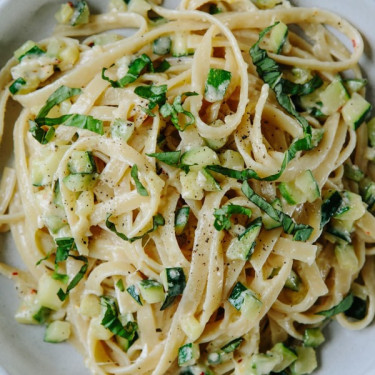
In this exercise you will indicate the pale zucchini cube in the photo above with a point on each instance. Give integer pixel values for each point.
(90, 306)
(188, 354)
(57, 331)
(152, 291)
(355, 111)
(47, 292)
(306, 361)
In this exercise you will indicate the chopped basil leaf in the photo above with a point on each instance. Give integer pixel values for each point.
(223, 215)
(156, 95)
(76, 279)
(42, 315)
(44, 258)
(162, 67)
(134, 292)
(61, 94)
(17, 85)
(140, 188)
(112, 321)
(216, 85)
(157, 221)
(330, 207)
(214, 9)
(176, 282)
(358, 309)
(64, 246)
(41, 135)
(60, 276)
(35, 50)
(343, 306)
(174, 109)
(136, 68)
(301, 232)
(171, 158)
(120, 285)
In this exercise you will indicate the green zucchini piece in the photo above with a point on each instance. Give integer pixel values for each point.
(188, 354)
(57, 331)
(313, 337)
(355, 111)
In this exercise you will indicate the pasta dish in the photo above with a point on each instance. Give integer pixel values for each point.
(192, 190)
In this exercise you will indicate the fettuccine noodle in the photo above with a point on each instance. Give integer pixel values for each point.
(129, 186)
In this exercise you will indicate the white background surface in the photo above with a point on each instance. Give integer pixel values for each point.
(22, 350)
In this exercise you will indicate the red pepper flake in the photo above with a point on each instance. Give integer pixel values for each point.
(240, 360)
(354, 43)
(33, 291)
(14, 273)
(70, 4)
(202, 373)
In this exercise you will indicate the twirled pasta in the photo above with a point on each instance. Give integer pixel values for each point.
(249, 120)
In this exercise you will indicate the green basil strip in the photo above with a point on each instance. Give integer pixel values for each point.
(35, 50)
(173, 110)
(216, 84)
(61, 94)
(136, 68)
(17, 85)
(301, 232)
(343, 306)
(64, 246)
(162, 67)
(223, 214)
(140, 188)
(171, 158)
(42, 315)
(74, 120)
(41, 135)
(44, 258)
(112, 322)
(214, 9)
(156, 95)
(157, 221)
(329, 207)
(232, 345)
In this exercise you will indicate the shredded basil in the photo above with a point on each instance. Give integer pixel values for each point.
(17, 85)
(156, 95)
(64, 246)
(270, 72)
(112, 321)
(223, 215)
(61, 94)
(35, 50)
(358, 310)
(301, 232)
(136, 68)
(343, 306)
(216, 84)
(171, 158)
(140, 188)
(157, 221)
(232, 345)
(173, 110)
(42, 315)
(330, 207)
(214, 9)
(44, 258)
(163, 66)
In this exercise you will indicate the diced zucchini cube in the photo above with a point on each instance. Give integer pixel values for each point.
(162, 45)
(206, 181)
(307, 184)
(173, 280)
(189, 187)
(90, 306)
(278, 37)
(352, 207)
(290, 193)
(80, 182)
(355, 111)
(306, 361)
(243, 246)
(135, 293)
(188, 354)
(199, 157)
(81, 162)
(288, 356)
(245, 300)
(232, 159)
(81, 13)
(64, 14)
(334, 97)
(313, 337)
(122, 129)
(27, 46)
(263, 364)
(57, 331)
(346, 257)
(293, 281)
(47, 292)
(191, 326)
(98, 330)
(152, 291)
(27, 310)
